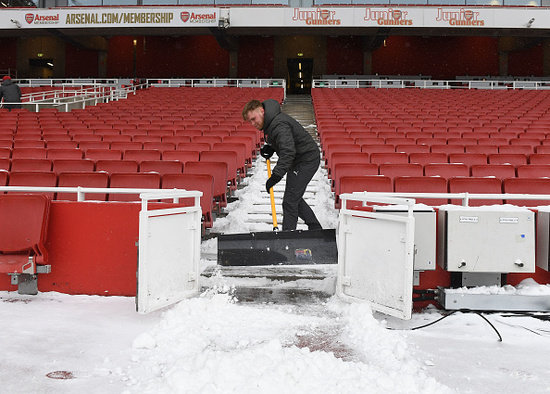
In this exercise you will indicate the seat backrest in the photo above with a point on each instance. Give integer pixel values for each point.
(446, 170)
(422, 184)
(365, 183)
(31, 165)
(389, 157)
(539, 158)
(218, 170)
(33, 178)
(468, 158)
(118, 166)
(64, 153)
(140, 155)
(448, 149)
(103, 154)
(499, 171)
(514, 159)
(527, 186)
(72, 165)
(475, 185)
(161, 166)
(351, 169)
(182, 156)
(3, 177)
(393, 170)
(345, 157)
(201, 182)
(243, 157)
(28, 153)
(533, 171)
(228, 157)
(27, 216)
(430, 157)
(149, 180)
(98, 179)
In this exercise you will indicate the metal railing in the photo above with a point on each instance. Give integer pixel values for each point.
(431, 84)
(77, 94)
(81, 192)
(465, 198)
(219, 83)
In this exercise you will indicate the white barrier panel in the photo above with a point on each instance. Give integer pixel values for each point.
(375, 255)
(169, 252)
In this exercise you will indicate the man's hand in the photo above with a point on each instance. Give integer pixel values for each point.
(272, 181)
(267, 151)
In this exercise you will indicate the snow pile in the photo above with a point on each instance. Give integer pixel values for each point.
(212, 344)
(527, 287)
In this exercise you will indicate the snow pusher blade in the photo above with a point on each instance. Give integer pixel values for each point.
(298, 247)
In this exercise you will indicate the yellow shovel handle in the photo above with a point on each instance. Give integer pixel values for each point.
(272, 197)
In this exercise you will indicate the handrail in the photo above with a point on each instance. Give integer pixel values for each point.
(219, 82)
(465, 197)
(168, 193)
(82, 191)
(411, 82)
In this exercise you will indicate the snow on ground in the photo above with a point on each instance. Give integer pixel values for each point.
(214, 343)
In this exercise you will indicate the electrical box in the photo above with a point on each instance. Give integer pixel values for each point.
(486, 239)
(424, 235)
(543, 238)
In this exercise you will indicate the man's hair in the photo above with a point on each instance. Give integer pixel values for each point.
(250, 106)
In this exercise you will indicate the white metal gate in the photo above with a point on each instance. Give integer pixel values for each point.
(376, 255)
(169, 251)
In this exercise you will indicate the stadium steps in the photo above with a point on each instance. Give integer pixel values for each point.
(283, 284)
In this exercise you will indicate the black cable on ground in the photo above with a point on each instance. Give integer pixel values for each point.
(453, 312)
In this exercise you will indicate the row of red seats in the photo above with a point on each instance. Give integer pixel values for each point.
(426, 184)
(444, 170)
(205, 177)
(469, 159)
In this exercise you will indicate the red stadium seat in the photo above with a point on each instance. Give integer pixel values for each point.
(71, 153)
(344, 157)
(31, 165)
(468, 158)
(97, 179)
(476, 186)
(117, 166)
(3, 176)
(499, 171)
(103, 154)
(33, 178)
(72, 165)
(527, 186)
(161, 166)
(533, 171)
(422, 184)
(393, 170)
(182, 156)
(514, 159)
(350, 184)
(430, 157)
(228, 157)
(446, 170)
(218, 170)
(26, 233)
(136, 181)
(389, 157)
(351, 169)
(201, 182)
(140, 155)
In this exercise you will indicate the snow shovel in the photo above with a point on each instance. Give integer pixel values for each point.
(296, 247)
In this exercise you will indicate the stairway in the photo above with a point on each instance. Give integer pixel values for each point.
(276, 283)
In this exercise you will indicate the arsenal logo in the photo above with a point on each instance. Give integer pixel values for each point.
(184, 16)
(325, 14)
(29, 18)
(468, 15)
(397, 14)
